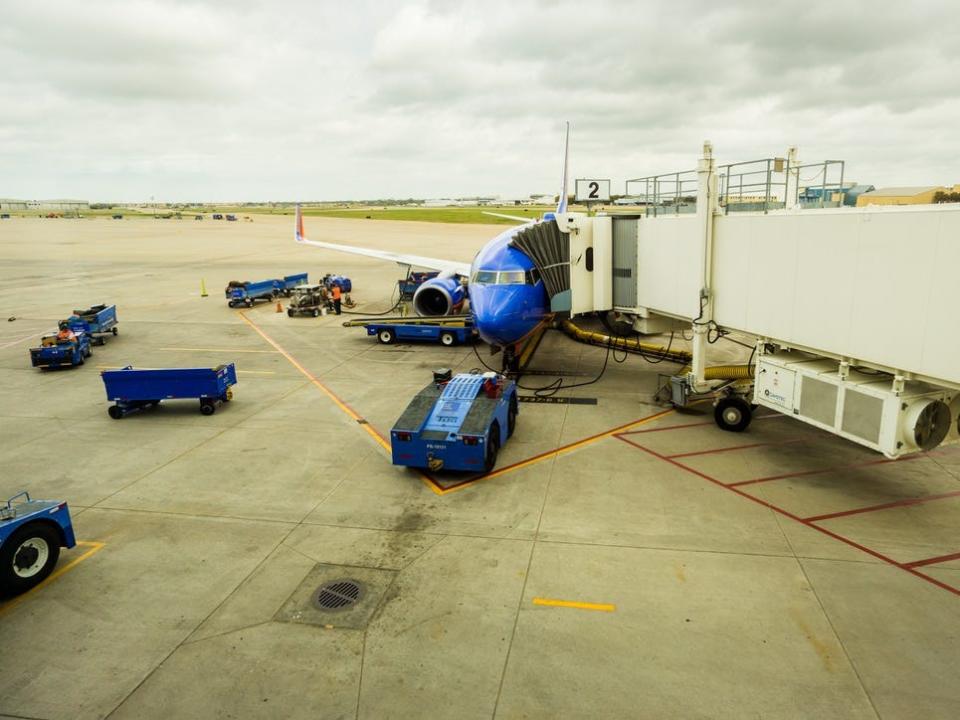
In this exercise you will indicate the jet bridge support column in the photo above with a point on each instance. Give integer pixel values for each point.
(707, 205)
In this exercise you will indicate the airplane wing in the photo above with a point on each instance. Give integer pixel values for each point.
(521, 220)
(445, 266)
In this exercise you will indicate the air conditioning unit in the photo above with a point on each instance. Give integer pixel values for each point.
(862, 407)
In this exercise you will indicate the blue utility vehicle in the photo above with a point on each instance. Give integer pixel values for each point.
(56, 351)
(133, 389)
(448, 335)
(456, 423)
(98, 322)
(246, 293)
(344, 283)
(31, 535)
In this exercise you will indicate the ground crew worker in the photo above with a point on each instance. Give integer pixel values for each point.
(65, 334)
(335, 294)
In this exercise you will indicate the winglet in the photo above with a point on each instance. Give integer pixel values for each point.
(562, 200)
(298, 226)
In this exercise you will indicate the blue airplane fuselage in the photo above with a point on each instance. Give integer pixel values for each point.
(505, 308)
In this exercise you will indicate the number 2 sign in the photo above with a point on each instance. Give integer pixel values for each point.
(592, 190)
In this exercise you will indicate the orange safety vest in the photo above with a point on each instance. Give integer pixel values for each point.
(335, 291)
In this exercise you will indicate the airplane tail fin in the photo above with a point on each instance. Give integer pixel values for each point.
(298, 226)
(562, 200)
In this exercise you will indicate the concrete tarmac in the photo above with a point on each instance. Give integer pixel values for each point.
(624, 560)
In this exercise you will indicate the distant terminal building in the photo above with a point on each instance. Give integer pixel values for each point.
(922, 195)
(8, 205)
(832, 195)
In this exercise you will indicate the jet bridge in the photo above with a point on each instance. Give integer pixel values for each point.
(852, 309)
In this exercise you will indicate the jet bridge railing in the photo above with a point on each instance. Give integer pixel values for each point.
(749, 186)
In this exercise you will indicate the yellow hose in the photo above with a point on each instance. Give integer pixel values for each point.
(724, 372)
(621, 343)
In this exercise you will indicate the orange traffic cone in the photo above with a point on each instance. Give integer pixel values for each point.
(279, 306)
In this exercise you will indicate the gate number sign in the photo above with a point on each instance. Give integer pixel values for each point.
(589, 190)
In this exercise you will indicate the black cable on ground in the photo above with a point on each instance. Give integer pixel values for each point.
(376, 314)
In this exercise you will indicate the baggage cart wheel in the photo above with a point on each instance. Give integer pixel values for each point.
(81, 360)
(28, 556)
(493, 448)
(733, 414)
(448, 339)
(115, 411)
(231, 303)
(316, 312)
(113, 330)
(386, 336)
(207, 407)
(289, 312)
(248, 303)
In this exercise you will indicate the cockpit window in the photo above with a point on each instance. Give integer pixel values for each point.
(485, 277)
(512, 277)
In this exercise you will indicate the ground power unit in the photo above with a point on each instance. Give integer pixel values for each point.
(866, 407)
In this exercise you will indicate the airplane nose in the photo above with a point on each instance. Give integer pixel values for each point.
(500, 315)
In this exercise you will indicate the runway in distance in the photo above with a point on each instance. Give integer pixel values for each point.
(507, 296)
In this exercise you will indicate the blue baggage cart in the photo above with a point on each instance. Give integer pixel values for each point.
(447, 335)
(98, 322)
(56, 352)
(133, 389)
(456, 423)
(31, 535)
(246, 293)
(289, 282)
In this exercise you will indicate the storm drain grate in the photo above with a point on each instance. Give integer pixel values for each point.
(338, 595)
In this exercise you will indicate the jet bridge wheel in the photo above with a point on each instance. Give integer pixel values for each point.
(733, 414)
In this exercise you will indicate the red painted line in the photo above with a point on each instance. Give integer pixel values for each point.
(802, 521)
(805, 473)
(933, 560)
(736, 447)
(885, 506)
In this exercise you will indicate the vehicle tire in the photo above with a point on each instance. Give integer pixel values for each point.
(248, 303)
(289, 312)
(386, 336)
(154, 403)
(115, 412)
(493, 448)
(316, 312)
(81, 360)
(448, 339)
(733, 414)
(207, 407)
(512, 416)
(28, 556)
(231, 303)
(113, 330)
(89, 351)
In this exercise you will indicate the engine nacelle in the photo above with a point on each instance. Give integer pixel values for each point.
(439, 296)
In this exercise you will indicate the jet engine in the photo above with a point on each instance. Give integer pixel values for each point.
(439, 296)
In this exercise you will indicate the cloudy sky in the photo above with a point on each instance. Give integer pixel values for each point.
(241, 100)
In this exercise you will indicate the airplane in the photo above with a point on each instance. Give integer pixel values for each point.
(508, 298)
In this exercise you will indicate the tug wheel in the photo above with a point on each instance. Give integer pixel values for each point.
(493, 448)
(27, 557)
(733, 414)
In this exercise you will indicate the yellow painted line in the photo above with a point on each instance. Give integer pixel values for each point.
(350, 412)
(223, 350)
(601, 607)
(95, 547)
(554, 453)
